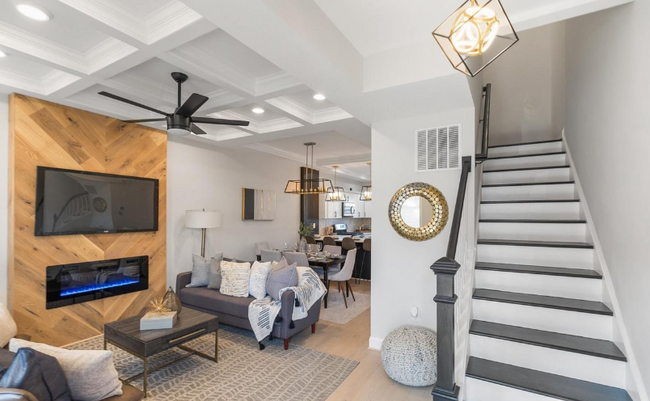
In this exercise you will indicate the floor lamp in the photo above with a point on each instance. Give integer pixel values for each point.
(202, 219)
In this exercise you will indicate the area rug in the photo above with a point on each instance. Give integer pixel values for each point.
(243, 372)
(336, 311)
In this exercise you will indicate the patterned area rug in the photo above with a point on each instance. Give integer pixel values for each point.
(336, 311)
(243, 372)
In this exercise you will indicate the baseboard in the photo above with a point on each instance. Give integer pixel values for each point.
(375, 343)
(638, 391)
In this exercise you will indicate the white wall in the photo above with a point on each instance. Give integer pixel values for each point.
(4, 196)
(607, 129)
(213, 178)
(401, 277)
(528, 88)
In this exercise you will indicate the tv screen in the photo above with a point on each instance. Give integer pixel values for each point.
(79, 202)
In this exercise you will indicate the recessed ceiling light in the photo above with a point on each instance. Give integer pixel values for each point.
(319, 96)
(34, 12)
(258, 110)
(2, 54)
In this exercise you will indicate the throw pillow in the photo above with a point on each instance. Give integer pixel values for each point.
(214, 280)
(234, 279)
(259, 274)
(38, 373)
(200, 271)
(8, 327)
(91, 375)
(279, 265)
(281, 278)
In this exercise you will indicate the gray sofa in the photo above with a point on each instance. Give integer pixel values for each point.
(233, 311)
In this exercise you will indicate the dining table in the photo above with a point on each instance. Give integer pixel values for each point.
(325, 263)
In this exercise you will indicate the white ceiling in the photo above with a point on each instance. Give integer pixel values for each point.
(275, 55)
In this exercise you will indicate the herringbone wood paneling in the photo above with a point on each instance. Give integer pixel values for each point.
(48, 134)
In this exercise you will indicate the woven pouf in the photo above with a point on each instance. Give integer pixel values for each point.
(409, 356)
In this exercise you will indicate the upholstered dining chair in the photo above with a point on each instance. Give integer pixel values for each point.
(329, 241)
(299, 258)
(335, 250)
(270, 255)
(348, 244)
(258, 248)
(310, 239)
(345, 274)
(367, 247)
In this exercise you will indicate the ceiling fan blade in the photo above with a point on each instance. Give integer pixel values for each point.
(191, 105)
(148, 120)
(131, 102)
(208, 120)
(198, 131)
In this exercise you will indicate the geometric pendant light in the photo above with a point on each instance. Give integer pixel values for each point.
(476, 34)
(366, 190)
(337, 194)
(309, 185)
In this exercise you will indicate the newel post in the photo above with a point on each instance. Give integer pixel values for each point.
(445, 388)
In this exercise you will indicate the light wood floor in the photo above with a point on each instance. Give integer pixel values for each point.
(368, 381)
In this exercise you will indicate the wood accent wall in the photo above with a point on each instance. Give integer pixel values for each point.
(52, 135)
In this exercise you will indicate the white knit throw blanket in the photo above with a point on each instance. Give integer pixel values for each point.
(262, 312)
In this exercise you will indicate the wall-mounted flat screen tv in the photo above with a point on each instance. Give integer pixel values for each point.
(80, 202)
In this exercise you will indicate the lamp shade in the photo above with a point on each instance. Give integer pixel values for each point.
(202, 218)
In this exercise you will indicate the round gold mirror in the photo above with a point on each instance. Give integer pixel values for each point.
(418, 211)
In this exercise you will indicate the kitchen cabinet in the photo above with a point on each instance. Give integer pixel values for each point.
(363, 208)
(366, 209)
(329, 210)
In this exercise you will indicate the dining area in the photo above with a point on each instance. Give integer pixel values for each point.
(332, 263)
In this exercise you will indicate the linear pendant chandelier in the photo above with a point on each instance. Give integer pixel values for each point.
(475, 35)
(309, 185)
(366, 190)
(337, 194)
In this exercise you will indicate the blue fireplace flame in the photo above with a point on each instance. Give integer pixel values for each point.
(97, 287)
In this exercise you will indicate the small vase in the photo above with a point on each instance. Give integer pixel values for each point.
(172, 301)
(303, 245)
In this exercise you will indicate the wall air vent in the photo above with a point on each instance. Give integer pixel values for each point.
(438, 148)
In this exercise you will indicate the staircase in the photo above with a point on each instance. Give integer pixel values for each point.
(540, 330)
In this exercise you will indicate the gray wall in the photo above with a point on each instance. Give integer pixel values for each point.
(209, 177)
(607, 129)
(528, 88)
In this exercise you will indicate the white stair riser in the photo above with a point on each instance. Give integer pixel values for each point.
(569, 232)
(531, 149)
(538, 256)
(530, 192)
(513, 177)
(480, 390)
(521, 162)
(557, 320)
(551, 211)
(554, 286)
(570, 364)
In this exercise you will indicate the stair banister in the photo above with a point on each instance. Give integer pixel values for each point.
(445, 269)
(485, 121)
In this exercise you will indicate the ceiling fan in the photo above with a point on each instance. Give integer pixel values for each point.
(180, 122)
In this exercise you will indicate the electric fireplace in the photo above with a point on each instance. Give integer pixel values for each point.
(82, 282)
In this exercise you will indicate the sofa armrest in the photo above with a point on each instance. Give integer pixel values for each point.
(286, 312)
(15, 394)
(182, 280)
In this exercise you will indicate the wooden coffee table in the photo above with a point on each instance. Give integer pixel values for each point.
(190, 324)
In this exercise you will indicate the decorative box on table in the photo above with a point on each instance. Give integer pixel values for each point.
(158, 320)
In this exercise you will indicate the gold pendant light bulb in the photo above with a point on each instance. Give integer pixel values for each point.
(474, 30)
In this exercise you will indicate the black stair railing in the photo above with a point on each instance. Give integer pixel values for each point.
(485, 123)
(446, 269)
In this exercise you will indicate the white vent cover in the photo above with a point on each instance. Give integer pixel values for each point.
(438, 148)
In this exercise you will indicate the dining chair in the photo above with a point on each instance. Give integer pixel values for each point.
(348, 244)
(329, 241)
(345, 275)
(310, 239)
(335, 250)
(299, 258)
(258, 248)
(269, 255)
(367, 246)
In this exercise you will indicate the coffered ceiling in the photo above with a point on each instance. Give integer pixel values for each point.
(373, 60)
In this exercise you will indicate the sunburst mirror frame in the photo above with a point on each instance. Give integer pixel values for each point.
(439, 217)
